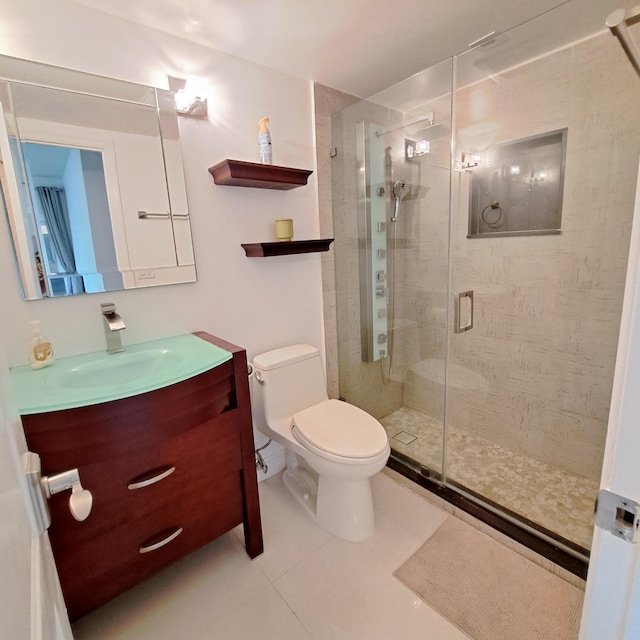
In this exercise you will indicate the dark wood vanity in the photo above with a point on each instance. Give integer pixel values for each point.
(169, 471)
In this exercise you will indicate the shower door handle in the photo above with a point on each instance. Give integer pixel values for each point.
(462, 311)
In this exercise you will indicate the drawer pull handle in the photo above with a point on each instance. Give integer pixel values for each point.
(138, 484)
(156, 545)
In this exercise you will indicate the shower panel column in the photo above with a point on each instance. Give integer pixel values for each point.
(372, 240)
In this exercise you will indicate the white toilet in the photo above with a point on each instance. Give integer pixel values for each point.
(332, 447)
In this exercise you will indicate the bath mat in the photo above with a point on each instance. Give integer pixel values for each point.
(489, 591)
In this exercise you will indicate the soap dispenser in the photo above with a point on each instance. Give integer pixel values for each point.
(40, 349)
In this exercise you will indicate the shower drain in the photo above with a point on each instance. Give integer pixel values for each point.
(404, 437)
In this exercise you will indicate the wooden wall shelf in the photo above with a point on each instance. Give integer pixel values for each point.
(268, 249)
(237, 173)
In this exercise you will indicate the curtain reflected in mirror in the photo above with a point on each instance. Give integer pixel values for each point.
(70, 203)
(59, 263)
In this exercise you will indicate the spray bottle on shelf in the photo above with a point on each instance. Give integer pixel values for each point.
(40, 349)
(264, 141)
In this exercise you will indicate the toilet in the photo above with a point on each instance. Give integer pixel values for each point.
(332, 447)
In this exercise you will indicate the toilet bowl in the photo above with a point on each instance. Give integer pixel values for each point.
(332, 447)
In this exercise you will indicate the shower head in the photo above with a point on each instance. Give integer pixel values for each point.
(400, 191)
(432, 132)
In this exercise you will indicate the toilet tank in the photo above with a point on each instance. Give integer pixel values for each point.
(289, 379)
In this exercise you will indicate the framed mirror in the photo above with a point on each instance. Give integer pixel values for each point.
(92, 182)
(516, 187)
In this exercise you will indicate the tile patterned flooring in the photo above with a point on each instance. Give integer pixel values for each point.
(555, 499)
(308, 585)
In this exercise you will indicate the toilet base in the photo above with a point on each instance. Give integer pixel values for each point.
(302, 486)
(343, 508)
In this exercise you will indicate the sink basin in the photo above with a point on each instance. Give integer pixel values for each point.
(97, 377)
(116, 369)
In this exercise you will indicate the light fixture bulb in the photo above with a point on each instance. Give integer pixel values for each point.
(191, 99)
(422, 147)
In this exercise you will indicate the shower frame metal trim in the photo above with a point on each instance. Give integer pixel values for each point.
(561, 552)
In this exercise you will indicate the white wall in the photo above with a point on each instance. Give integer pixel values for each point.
(256, 303)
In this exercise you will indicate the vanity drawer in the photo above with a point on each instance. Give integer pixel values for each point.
(200, 457)
(65, 439)
(105, 566)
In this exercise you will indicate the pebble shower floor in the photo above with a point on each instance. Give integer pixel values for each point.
(556, 499)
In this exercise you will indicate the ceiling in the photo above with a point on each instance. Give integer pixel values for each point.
(357, 46)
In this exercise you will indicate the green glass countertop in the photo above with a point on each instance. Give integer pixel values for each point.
(92, 378)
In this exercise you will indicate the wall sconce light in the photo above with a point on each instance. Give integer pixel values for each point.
(469, 161)
(422, 147)
(190, 97)
(416, 148)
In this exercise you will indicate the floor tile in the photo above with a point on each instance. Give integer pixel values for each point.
(290, 533)
(347, 591)
(265, 615)
(408, 509)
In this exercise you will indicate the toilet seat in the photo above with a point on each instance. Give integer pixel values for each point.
(339, 429)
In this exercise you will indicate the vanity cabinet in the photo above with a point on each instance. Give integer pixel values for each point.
(169, 471)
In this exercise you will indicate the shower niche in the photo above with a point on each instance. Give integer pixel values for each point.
(516, 187)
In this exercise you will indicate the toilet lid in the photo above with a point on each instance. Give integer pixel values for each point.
(340, 429)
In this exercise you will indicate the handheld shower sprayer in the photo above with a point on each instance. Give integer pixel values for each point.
(400, 190)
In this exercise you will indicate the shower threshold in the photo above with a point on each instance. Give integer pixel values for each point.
(546, 543)
(507, 487)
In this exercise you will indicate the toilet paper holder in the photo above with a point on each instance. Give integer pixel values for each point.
(41, 488)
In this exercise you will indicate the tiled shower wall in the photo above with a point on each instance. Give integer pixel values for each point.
(421, 244)
(534, 375)
(326, 102)
(361, 383)
(418, 330)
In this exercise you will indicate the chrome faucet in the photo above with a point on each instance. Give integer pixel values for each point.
(113, 325)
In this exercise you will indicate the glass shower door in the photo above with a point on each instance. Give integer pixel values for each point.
(540, 159)
(391, 187)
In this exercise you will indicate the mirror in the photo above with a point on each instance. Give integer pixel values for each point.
(92, 182)
(516, 187)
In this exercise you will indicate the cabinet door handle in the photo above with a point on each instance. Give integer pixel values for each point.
(145, 480)
(146, 548)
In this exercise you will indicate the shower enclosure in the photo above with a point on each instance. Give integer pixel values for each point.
(482, 211)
